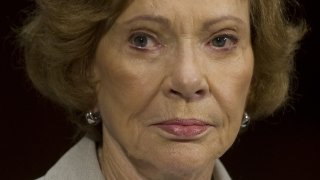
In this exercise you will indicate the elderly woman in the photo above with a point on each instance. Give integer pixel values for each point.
(161, 88)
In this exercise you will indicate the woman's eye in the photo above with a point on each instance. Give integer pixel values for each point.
(143, 41)
(224, 42)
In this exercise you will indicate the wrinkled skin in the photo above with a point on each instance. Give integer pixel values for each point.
(162, 60)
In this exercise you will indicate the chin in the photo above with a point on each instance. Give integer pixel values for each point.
(183, 158)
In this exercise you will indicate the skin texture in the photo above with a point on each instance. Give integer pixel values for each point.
(181, 70)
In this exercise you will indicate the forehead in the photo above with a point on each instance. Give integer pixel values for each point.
(191, 11)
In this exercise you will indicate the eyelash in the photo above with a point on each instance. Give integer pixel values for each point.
(146, 36)
(227, 38)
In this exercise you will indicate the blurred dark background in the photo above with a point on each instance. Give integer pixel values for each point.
(35, 134)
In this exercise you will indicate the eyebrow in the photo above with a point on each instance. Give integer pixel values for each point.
(166, 22)
(158, 19)
(212, 22)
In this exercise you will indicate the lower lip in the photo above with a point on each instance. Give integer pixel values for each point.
(188, 131)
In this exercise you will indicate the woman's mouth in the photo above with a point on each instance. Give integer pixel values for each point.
(184, 128)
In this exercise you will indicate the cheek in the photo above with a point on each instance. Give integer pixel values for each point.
(126, 84)
(234, 90)
(240, 77)
(123, 88)
(230, 87)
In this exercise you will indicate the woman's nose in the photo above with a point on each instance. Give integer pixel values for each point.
(187, 81)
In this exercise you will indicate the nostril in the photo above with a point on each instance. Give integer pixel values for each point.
(196, 94)
(200, 92)
(172, 91)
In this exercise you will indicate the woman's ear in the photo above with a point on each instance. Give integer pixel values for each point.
(93, 79)
(251, 95)
(93, 71)
(93, 75)
(96, 108)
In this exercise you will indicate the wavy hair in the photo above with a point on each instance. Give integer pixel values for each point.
(60, 38)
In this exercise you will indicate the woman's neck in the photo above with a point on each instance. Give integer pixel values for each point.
(115, 164)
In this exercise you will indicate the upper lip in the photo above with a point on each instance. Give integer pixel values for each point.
(184, 122)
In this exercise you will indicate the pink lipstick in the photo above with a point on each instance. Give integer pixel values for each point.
(183, 127)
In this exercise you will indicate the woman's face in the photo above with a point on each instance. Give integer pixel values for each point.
(173, 78)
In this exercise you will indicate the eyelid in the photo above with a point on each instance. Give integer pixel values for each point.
(230, 36)
(227, 35)
(143, 32)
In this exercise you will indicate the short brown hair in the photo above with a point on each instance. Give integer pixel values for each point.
(61, 37)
